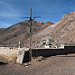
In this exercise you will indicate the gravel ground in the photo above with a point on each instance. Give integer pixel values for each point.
(55, 65)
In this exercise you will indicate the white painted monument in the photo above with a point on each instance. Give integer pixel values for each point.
(19, 44)
(20, 57)
(47, 46)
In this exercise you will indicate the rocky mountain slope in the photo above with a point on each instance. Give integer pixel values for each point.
(1, 29)
(21, 32)
(65, 29)
(62, 32)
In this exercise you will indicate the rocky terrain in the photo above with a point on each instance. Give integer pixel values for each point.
(65, 29)
(62, 32)
(21, 32)
(1, 29)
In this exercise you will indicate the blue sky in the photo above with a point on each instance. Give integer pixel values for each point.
(11, 11)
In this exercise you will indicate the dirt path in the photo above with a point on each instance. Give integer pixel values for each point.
(55, 65)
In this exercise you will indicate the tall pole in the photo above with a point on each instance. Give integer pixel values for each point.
(30, 19)
(30, 26)
(30, 52)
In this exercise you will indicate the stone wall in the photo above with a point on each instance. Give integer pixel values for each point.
(53, 52)
(13, 53)
(8, 53)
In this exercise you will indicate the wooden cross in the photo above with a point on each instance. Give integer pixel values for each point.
(31, 19)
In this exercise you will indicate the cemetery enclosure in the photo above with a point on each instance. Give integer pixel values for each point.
(13, 53)
(53, 52)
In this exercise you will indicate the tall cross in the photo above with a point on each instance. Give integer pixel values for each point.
(30, 19)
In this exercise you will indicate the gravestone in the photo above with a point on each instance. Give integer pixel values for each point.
(19, 44)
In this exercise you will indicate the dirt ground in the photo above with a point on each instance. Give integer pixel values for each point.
(54, 65)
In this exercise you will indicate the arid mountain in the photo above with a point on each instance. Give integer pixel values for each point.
(1, 29)
(21, 32)
(65, 29)
(63, 32)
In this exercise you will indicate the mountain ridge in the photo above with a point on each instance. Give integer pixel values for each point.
(20, 32)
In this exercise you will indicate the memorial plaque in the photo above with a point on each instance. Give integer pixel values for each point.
(20, 57)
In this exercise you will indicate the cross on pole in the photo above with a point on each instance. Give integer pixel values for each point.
(30, 19)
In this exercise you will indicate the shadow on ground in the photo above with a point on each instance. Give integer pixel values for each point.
(3, 63)
(65, 56)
